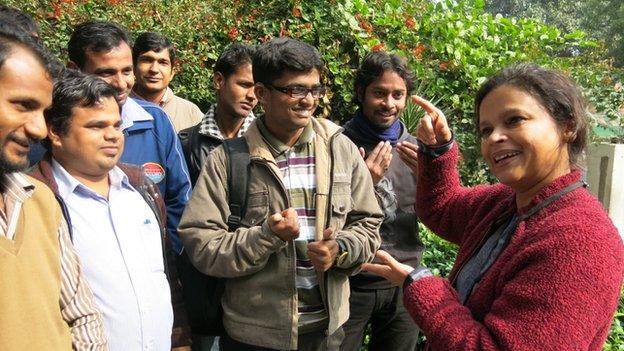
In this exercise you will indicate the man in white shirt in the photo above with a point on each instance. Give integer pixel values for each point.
(115, 213)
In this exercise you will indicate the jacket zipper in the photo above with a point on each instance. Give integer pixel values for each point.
(291, 245)
(328, 221)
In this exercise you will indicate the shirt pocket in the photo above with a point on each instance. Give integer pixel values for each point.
(341, 204)
(152, 243)
(257, 208)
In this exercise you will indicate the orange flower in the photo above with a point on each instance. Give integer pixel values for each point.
(378, 47)
(56, 10)
(233, 33)
(402, 46)
(410, 23)
(418, 50)
(364, 24)
(444, 65)
(296, 12)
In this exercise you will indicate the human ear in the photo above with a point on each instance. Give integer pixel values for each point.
(261, 92)
(359, 93)
(569, 132)
(217, 80)
(55, 139)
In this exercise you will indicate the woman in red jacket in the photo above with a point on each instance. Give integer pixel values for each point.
(540, 264)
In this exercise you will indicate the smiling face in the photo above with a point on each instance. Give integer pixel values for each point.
(93, 143)
(114, 67)
(236, 96)
(154, 71)
(383, 100)
(25, 92)
(286, 116)
(523, 145)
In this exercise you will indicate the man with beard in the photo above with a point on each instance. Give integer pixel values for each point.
(45, 302)
(382, 84)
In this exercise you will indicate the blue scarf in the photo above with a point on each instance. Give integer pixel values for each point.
(372, 132)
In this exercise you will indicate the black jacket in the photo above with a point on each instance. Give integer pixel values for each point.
(399, 231)
(196, 147)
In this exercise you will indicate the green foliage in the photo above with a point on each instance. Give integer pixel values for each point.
(439, 254)
(615, 341)
(602, 19)
(451, 47)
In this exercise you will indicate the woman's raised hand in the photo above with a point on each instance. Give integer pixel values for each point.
(432, 130)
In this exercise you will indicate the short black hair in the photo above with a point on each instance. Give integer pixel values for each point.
(375, 64)
(11, 36)
(21, 19)
(234, 56)
(555, 92)
(75, 89)
(151, 41)
(96, 36)
(280, 55)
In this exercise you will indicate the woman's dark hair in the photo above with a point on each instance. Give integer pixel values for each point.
(557, 93)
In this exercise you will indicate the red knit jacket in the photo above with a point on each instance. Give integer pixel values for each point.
(554, 287)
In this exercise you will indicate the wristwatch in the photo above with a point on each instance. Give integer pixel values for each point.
(342, 254)
(416, 274)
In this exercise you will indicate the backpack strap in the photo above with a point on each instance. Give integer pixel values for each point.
(237, 157)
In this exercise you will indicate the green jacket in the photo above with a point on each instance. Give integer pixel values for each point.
(260, 299)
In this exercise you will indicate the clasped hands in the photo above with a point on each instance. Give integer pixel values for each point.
(285, 225)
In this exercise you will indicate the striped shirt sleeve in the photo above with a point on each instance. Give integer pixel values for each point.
(77, 305)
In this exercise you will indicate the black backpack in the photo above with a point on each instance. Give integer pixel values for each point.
(202, 293)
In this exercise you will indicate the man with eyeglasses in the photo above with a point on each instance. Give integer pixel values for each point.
(311, 217)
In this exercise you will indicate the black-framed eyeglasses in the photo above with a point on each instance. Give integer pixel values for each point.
(300, 92)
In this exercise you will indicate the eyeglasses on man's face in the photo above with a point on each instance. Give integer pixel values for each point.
(300, 92)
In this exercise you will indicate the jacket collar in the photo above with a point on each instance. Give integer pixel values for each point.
(43, 172)
(208, 125)
(258, 147)
(132, 112)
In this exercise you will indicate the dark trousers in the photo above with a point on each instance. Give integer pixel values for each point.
(392, 328)
(316, 341)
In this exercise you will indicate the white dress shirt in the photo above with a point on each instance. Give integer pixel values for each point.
(118, 241)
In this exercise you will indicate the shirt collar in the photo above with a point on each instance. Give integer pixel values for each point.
(166, 98)
(209, 127)
(132, 112)
(17, 185)
(277, 146)
(67, 184)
